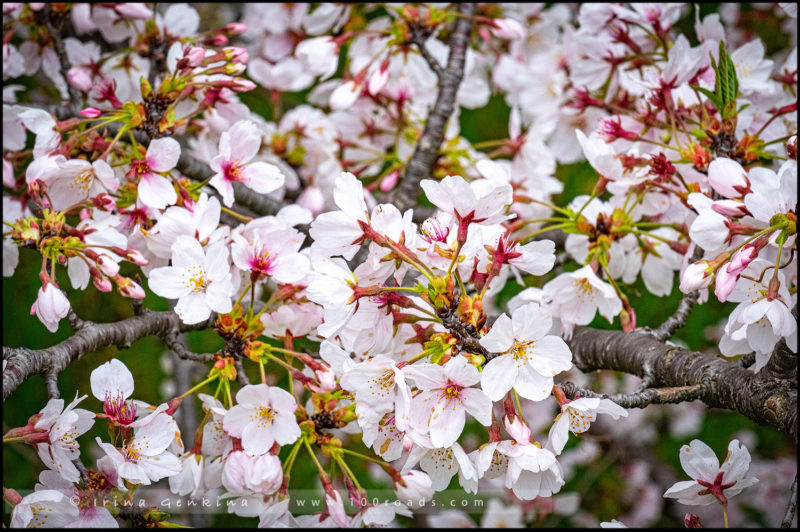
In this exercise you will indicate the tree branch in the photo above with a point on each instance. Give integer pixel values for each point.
(22, 362)
(58, 45)
(651, 396)
(767, 401)
(677, 320)
(792, 508)
(427, 149)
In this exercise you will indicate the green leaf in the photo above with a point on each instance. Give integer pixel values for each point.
(710, 95)
(699, 133)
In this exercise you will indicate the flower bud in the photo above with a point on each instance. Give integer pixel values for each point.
(107, 265)
(696, 276)
(377, 80)
(80, 79)
(129, 288)
(730, 208)
(517, 429)
(136, 257)
(388, 182)
(91, 112)
(725, 282)
(194, 55)
(335, 507)
(102, 283)
(506, 28)
(234, 28)
(414, 489)
(345, 95)
(728, 177)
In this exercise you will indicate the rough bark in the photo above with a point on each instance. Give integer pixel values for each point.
(768, 398)
(427, 149)
(22, 362)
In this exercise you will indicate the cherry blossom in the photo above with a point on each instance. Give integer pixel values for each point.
(711, 482)
(237, 147)
(199, 279)
(528, 357)
(155, 190)
(262, 416)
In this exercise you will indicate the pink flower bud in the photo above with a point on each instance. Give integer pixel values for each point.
(335, 507)
(80, 79)
(235, 28)
(725, 282)
(730, 208)
(50, 306)
(236, 54)
(696, 276)
(136, 257)
(107, 265)
(102, 283)
(377, 81)
(133, 10)
(728, 178)
(517, 429)
(85, 214)
(742, 258)
(104, 201)
(388, 182)
(91, 112)
(414, 489)
(506, 28)
(216, 40)
(242, 85)
(326, 378)
(194, 55)
(345, 95)
(129, 288)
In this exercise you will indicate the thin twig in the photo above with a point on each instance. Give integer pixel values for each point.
(650, 396)
(426, 152)
(677, 320)
(58, 45)
(241, 376)
(792, 508)
(418, 37)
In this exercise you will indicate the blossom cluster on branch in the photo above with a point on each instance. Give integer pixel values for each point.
(299, 228)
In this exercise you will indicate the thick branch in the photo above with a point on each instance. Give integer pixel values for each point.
(427, 149)
(766, 401)
(22, 362)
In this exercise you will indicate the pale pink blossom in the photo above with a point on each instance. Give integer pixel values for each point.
(527, 357)
(711, 482)
(237, 147)
(262, 416)
(155, 190)
(50, 306)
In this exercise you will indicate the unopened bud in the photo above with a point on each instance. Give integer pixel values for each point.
(129, 288)
(102, 283)
(107, 265)
(136, 257)
(91, 112)
(80, 79)
(234, 28)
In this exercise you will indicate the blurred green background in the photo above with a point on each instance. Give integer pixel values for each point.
(599, 484)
